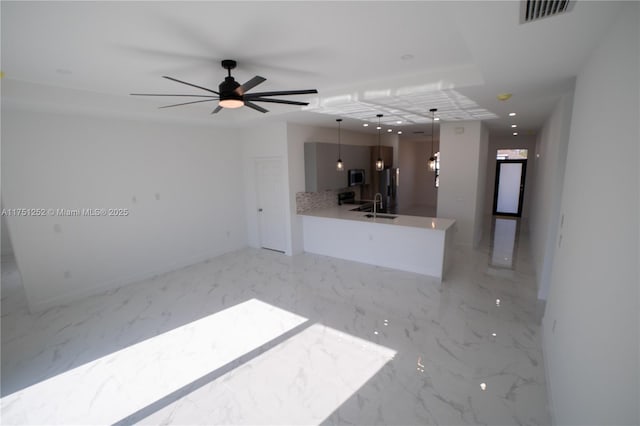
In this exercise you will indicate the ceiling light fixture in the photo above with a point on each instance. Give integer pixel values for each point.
(399, 132)
(365, 125)
(515, 133)
(512, 114)
(437, 119)
(389, 130)
(339, 165)
(379, 162)
(514, 125)
(231, 103)
(432, 159)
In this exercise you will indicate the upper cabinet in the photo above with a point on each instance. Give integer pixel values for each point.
(320, 165)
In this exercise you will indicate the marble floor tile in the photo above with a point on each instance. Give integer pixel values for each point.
(255, 337)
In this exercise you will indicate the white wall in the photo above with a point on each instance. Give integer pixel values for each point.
(297, 135)
(460, 163)
(417, 182)
(179, 183)
(483, 161)
(549, 162)
(7, 248)
(591, 321)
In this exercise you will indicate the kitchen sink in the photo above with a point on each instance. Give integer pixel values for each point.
(380, 216)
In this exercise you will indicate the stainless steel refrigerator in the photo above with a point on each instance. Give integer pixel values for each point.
(388, 187)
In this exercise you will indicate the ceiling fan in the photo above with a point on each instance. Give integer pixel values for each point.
(231, 94)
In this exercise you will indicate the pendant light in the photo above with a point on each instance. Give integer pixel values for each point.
(379, 162)
(339, 165)
(432, 159)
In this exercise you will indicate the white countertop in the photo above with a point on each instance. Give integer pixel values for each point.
(344, 213)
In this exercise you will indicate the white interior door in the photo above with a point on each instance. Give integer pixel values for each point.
(271, 205)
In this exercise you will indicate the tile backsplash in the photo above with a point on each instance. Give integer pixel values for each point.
(306, 201)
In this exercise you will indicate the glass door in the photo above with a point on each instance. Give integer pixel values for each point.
(509, 187)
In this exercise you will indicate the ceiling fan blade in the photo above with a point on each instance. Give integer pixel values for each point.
(279, 101)
(187, 103)
(254, 106)
(242, 89)
(166, 94)
(280, 93)
(189, 84)
(217, 110)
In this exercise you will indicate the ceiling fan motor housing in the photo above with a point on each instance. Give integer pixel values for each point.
(227, 89)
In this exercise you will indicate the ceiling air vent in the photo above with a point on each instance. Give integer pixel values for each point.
(532, 10)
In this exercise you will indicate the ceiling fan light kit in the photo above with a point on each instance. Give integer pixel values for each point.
(233, 95)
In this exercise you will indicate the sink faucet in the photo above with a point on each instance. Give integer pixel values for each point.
(375, 203)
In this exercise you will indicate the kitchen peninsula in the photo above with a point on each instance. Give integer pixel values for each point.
(409, 243)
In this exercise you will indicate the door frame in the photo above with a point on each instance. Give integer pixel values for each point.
(522, 183)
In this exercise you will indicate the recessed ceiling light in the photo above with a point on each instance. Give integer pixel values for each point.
(494, 334)
(389, 130)
(514, 125)
(365, 125)
(512, 114)
(399, 132)
(515, 133)
(406, 57)
(483, 386)
(504, 96)
(378, 127)
(399, 122)
(436, 119)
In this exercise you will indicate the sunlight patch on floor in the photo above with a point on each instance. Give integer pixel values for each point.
(113, 387)
(301, 381)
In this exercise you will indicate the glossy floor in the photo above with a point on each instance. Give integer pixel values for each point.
(255, 337)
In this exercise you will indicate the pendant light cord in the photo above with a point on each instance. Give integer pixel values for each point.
(339, 120)
(433, 120)
(379, 127)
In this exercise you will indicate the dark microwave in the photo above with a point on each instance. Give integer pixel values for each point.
(356, 177)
